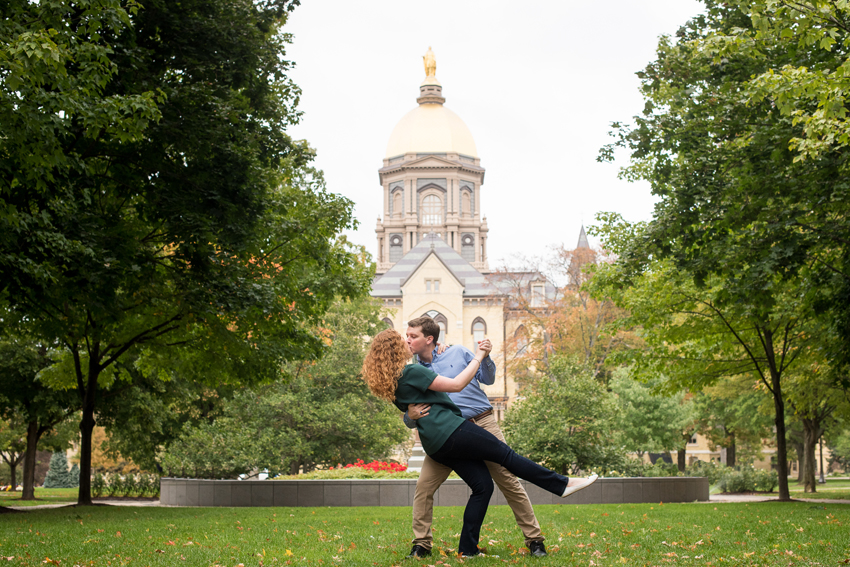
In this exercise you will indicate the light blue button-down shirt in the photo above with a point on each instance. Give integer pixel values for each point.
(471, 400)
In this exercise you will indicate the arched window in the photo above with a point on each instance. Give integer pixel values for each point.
(467, 247)
(464, 203)
(397, 208)
(432, 211)
(521, 339)
(479, 329)
(388, 322)
(396, 247)
(440, 320)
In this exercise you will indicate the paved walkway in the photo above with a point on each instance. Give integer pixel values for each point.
(767, 498)
(107, 501)
(713, 498)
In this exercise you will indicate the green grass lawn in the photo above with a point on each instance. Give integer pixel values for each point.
(43, 496)
(628, 534)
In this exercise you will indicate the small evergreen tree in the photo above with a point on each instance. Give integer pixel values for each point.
(58, 475)
(75, 475)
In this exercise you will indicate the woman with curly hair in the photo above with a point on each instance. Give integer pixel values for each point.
(446, 436)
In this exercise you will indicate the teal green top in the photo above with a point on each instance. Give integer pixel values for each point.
(444, 416)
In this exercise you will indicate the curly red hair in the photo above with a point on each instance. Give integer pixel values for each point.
(384, 363)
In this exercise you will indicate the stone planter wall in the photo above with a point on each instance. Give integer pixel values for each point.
(312, 493)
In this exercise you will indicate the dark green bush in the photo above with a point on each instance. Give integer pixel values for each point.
(747, 479)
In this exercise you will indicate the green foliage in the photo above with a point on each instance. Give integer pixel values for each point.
(744, 140)
(564, 422)
(58, 475)
(321, 415)
(152, 208)
(631, 467)
(712, 470)
(747, 479)
(650, 421)
(734, 414)
(839, 447)
(131, 485)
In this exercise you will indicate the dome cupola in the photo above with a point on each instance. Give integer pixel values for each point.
(431, 127)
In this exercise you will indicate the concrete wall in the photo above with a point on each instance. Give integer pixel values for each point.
(312, 493)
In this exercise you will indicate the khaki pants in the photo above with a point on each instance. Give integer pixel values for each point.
(434, 474)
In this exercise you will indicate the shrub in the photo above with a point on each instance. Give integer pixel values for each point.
(349, 473)
(375, 466)
(710, 469)
(634, 468)
(114, 484)
(98, 485)
(747, 479)
(359, 470)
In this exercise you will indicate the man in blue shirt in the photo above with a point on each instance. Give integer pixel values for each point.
(422, 335)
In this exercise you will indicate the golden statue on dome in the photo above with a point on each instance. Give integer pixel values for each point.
(430, 64)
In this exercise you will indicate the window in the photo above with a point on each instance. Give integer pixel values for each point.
(464, 203)
(432, 211)
(538, 294)
(478, 330)
(396, 248)
(388, 322)
(467, 247)
(397, 209)
(432, 286)
(693, 440)
(441, 321)
(521, 338)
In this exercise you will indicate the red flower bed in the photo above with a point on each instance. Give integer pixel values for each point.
(374, 466)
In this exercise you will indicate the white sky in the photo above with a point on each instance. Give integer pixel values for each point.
(536, 82)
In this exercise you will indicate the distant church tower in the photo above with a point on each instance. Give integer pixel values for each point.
(431, 179)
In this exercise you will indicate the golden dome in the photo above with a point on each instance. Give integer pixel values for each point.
(431, 128)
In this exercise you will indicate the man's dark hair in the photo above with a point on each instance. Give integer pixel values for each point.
(430, 328)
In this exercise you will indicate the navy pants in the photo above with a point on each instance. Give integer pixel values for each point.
(465, 452)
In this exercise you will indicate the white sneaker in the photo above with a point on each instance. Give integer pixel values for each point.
(570, 489)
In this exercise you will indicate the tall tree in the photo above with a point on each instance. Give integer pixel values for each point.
(815, 402)
(150, 198)
(695, 336)
(31, 405)
(738, 210)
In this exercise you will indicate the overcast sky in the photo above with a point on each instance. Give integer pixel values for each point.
(536, 82)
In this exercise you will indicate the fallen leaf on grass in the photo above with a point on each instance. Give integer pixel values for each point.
(289, 552)
(51, 561)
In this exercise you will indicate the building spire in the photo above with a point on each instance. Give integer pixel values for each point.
(430, 91)
(582, 239)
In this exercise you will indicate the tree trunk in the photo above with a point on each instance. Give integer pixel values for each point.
(680, 459)
(781, 448)
(13, 470)
(29, 461)
(800, 448)
(86, 427)
(730, 450)
(811, 434)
